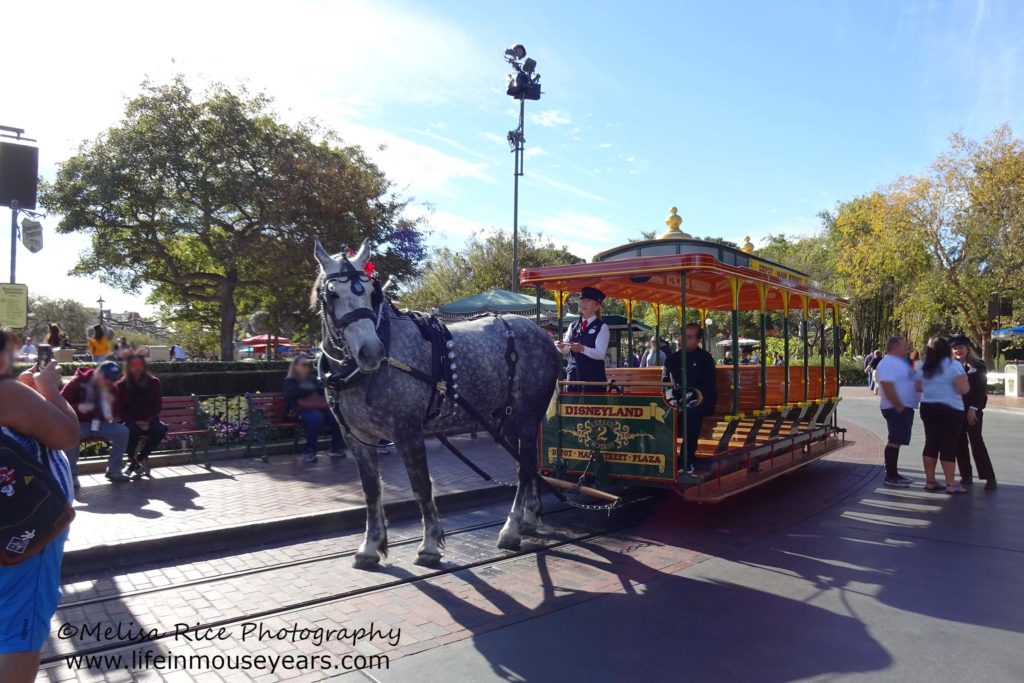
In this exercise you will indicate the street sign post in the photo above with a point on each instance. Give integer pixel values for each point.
(32, 235)
(14, 306)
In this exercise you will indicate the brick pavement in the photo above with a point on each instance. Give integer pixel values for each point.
(466, 603)
(188, 498)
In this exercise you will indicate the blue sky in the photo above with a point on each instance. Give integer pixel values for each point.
(750, 117)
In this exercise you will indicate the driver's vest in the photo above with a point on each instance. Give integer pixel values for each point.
(581, 367)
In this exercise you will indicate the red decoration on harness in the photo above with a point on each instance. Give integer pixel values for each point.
(369, 268)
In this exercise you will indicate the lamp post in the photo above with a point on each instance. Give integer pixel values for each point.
(523, 84)
(708, 322)
(100, 301)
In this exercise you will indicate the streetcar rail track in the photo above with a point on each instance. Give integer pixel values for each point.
(544, 544)
(226, 576)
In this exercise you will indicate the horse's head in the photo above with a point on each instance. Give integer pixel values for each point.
(347, 304)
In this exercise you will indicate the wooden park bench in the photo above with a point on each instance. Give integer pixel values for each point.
(266, 417)
(185, 422)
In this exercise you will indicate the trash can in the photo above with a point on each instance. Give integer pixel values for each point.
(1014, 380)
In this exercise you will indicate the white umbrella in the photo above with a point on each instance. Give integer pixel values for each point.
(743, 342)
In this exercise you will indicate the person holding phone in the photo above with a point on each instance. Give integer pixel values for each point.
(33, 413)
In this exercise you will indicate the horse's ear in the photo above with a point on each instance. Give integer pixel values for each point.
(327, 264)
(362, 256)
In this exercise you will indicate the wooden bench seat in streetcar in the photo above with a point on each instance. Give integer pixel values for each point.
(756, 426)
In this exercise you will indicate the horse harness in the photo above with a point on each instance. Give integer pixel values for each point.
(443, 377)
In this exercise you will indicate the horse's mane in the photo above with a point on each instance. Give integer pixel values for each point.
(314, 294)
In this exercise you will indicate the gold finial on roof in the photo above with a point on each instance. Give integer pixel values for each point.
(673, 222)
(747, 247)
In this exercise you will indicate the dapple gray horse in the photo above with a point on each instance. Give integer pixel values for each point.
(391, 404)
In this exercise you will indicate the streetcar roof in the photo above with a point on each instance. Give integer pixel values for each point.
(711, 269)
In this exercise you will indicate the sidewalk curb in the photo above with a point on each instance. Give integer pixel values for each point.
(181, 547)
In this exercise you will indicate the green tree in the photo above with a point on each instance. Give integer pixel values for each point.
(213, 201)
(485, 262)
(72, 316)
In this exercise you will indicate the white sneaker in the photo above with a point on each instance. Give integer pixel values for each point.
(338, 454)
(309, 457)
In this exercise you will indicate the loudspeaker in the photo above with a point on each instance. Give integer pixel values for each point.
(998, 307)
(19, 174)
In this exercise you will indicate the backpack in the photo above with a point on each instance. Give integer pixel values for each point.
(33, 509)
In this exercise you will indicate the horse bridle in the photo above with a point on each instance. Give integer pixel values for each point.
(357, 281)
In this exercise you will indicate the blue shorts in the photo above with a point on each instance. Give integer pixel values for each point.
(31, 591)
(900, 425)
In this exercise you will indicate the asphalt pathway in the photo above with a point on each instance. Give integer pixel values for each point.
(888, 585)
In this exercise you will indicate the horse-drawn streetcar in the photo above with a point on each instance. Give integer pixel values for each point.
(399, 375)
(766, 420)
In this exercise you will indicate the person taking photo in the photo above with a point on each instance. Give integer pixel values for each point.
(35, 415)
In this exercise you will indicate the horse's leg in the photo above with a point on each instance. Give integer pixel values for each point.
(414, 454)
(375, 542)
(509, 537)
(531, 499)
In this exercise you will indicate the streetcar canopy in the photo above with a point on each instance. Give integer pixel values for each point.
(718, 277)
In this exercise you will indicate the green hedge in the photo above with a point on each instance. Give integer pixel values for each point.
(232, 383)
(182, 379)
(167, 367)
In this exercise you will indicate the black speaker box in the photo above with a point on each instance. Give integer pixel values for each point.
(19, 174)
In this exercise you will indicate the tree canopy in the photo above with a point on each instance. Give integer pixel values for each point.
(485, 262)
(214, 202)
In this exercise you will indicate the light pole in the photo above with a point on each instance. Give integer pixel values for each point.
(523, 84)
(100, 301)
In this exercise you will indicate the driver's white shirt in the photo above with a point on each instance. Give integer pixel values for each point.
(600, 343)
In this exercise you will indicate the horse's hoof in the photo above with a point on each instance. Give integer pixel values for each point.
(428, 559)
(528, 529)
(366, 561)
(509, 542)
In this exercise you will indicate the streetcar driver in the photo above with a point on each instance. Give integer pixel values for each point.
(586, 342)
(700, 386)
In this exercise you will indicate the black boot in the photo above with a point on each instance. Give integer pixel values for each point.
(990, 484)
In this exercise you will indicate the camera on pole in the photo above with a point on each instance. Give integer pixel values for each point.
(524, 83)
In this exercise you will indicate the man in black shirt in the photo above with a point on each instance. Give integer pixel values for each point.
(700, 386)
(975, 401)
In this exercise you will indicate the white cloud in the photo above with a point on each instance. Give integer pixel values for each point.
(606, 145)
(453, 143)
(447, 229)
(532, 152)
(550, 117)
(584, 234)
(494, 137)
(566, 187)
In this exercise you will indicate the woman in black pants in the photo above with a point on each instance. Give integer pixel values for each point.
(943, 384)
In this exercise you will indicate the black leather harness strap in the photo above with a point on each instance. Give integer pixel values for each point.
(512, 359)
